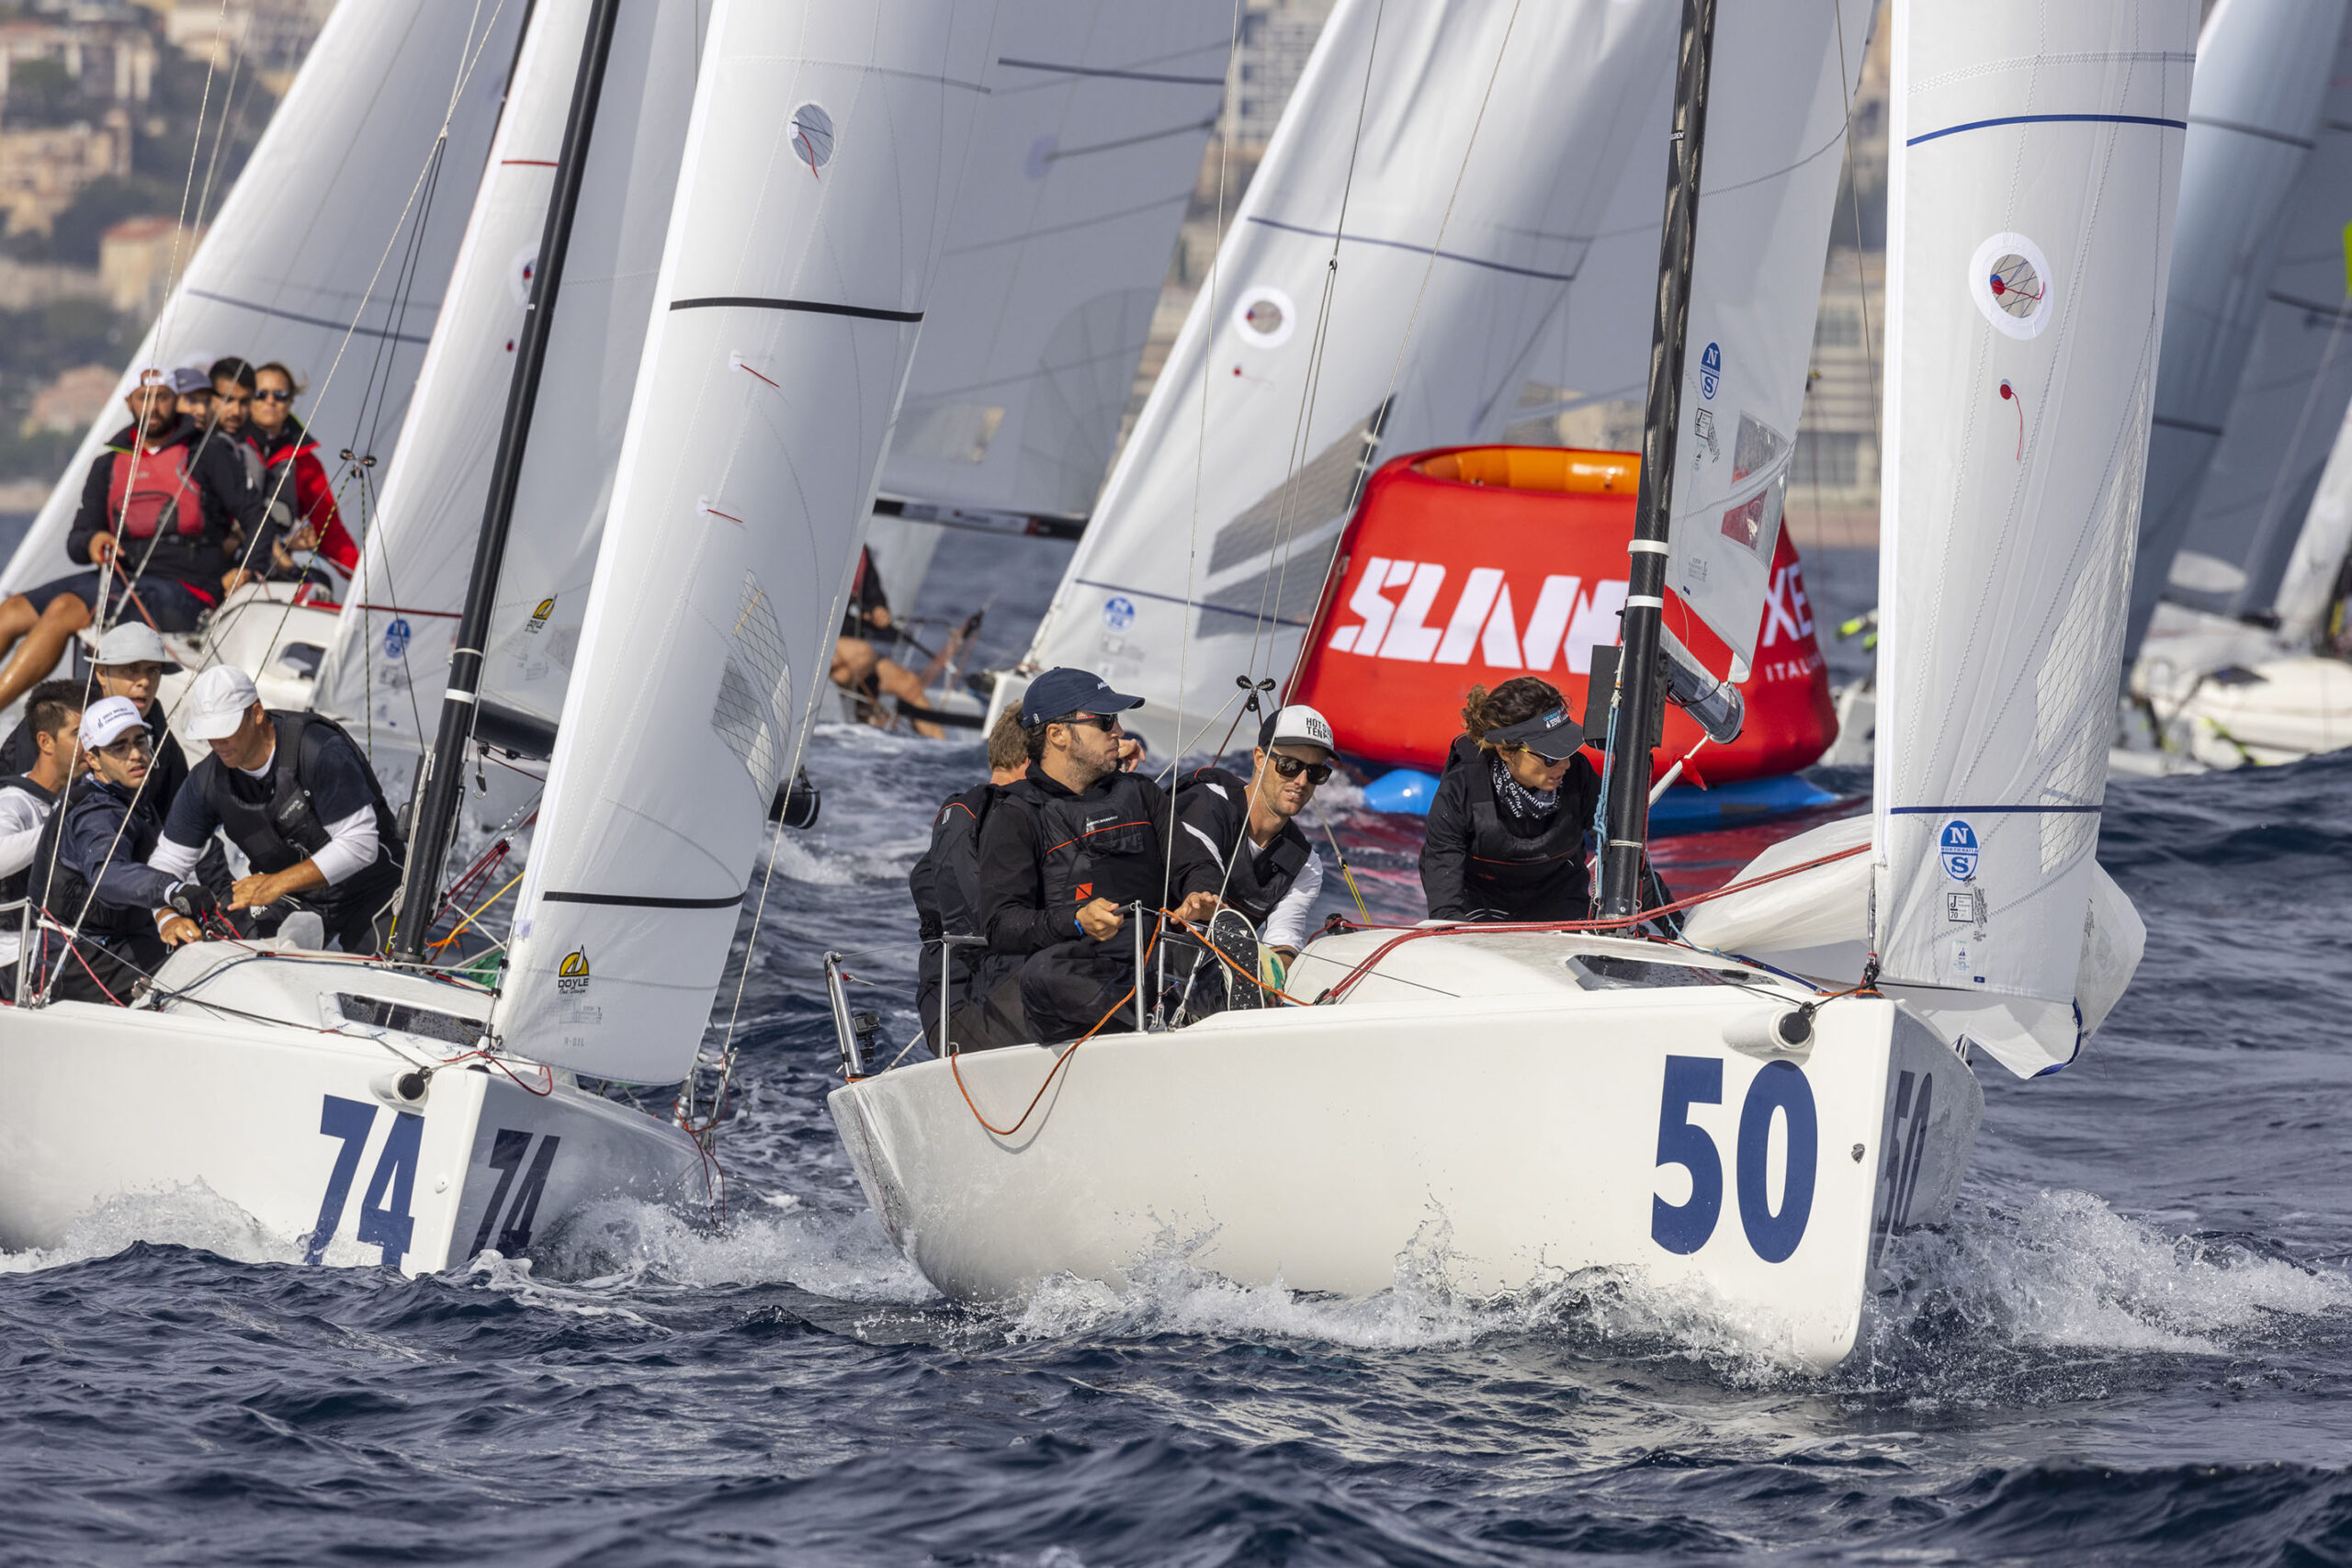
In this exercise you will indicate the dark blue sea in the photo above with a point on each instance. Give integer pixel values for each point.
(2134, 1345)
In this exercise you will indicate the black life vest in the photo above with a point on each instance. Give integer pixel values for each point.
(285, 830)
(66, 898)
(1217, 803)
(1522, 875)
(14, 886)
(1102, 844)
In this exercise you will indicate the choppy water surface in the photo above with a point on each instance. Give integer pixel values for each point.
(2132, 1345)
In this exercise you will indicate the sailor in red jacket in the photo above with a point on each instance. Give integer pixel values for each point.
(293, 479)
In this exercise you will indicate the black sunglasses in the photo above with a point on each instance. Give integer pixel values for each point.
(1290, 767)
(1108, 723)
(273, 396)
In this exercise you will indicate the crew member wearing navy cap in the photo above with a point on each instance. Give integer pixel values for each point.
(1506, 838)
(1063, 854)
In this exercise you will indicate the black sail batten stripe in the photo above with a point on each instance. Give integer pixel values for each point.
(272, 312)
(811, 307)
(642, 901)
(1059, 69)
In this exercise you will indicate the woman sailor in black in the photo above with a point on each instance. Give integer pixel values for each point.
(1506, 827)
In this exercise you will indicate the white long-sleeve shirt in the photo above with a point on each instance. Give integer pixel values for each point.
(22, 817)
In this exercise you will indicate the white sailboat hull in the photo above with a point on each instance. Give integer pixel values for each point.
(2291, 708)
(1330, 1149)
(303, 1129)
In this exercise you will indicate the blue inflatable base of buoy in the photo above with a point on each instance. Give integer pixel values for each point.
(1682, 809)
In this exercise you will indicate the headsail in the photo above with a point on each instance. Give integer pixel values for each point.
(812, 200)
(1776, 137)
(331, 252)
(386, 670)
(1533, 301)
(2037, 160)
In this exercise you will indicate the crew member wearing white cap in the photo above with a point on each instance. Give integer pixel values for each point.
(1271, 873)
(295, 794)
(90, 874)
(53, 716)
(130, 661)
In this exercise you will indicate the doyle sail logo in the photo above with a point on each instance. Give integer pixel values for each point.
(571, 975)
(538, 621)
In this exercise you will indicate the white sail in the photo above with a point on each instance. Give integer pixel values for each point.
(1777, 111)
(331, 252)
(2037, 160)
(386, 670)
(2254, 113)
(1232, 491)
(812, 200)
(2307, 591)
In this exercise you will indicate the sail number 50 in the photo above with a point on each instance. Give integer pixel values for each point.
(1780, 1089)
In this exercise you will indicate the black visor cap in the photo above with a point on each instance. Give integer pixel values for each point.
(1553, 736)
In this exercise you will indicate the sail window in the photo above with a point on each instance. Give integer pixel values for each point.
(755, 690)
(377, 1012)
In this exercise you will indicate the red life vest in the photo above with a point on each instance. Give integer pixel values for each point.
(151, 491)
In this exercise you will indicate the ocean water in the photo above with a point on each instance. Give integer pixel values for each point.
(2133, 1344)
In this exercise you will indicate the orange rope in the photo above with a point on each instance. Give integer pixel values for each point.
(1060, 1062)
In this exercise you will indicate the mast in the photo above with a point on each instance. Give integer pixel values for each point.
(1641, 684)
(441, 774)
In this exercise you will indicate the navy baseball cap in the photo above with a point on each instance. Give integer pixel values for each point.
(1057, 694)
(1552, 735)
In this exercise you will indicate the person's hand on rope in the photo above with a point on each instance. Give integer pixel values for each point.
(193, 901)
(236, 578)
(1197, 908)
(101, 548)
(267, 888)
(179, 930)
(1102, 919)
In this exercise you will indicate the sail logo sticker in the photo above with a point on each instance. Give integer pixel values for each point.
(1711, 371)
(1959, 850)
(812, 137)
(1265, 317)
(1118, 612)
(2009, 279)
(396, 635)
(522, 272)
(538, 621)
(571, 975)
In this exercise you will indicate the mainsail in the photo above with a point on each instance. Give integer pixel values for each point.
(2038, 153)
(1776, 137)
(331, 252)
(2257, 292)
(812, 200)
(1488, 281)
(386, 670)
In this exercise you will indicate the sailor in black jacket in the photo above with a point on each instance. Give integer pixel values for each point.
(1272, 875)
(1063, 854)
(946, 887)
(1506, 831)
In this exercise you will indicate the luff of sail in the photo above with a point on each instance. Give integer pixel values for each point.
(2037, 162)
(812, 200)
(386, 669)
(1776, 137)
(2263, 70)
(316, 257)
(1534, 295)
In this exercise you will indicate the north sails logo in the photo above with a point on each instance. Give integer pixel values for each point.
(1567, 621)
(571, 975)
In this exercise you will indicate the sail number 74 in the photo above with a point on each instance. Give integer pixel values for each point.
(1779, 1089)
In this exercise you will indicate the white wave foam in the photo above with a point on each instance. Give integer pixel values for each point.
(848, 1258)
(192, 1216)
(2066, 1270)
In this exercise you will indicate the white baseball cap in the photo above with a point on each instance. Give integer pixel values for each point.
(217, 701)
(1298, 724)
(134, 642)
(107, 720)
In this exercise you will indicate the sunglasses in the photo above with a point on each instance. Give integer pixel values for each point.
(1290, 767)
(129, 746)
(1108, 723)
(273, 396)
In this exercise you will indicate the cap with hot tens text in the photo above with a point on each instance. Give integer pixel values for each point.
(107, 719)
(1297, 725)
(217, 701)
(1059, 693)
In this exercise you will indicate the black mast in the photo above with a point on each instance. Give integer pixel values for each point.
(441, 773)
(1641, 685)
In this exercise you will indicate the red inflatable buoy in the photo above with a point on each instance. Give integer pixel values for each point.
(1471, 565)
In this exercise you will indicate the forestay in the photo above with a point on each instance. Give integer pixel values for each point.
(2037, 160)
(1239, 474)
(1082, 163)
(812, 200)
(1776, 138)
(386, 672)
(2297, 360)
(331, 252)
